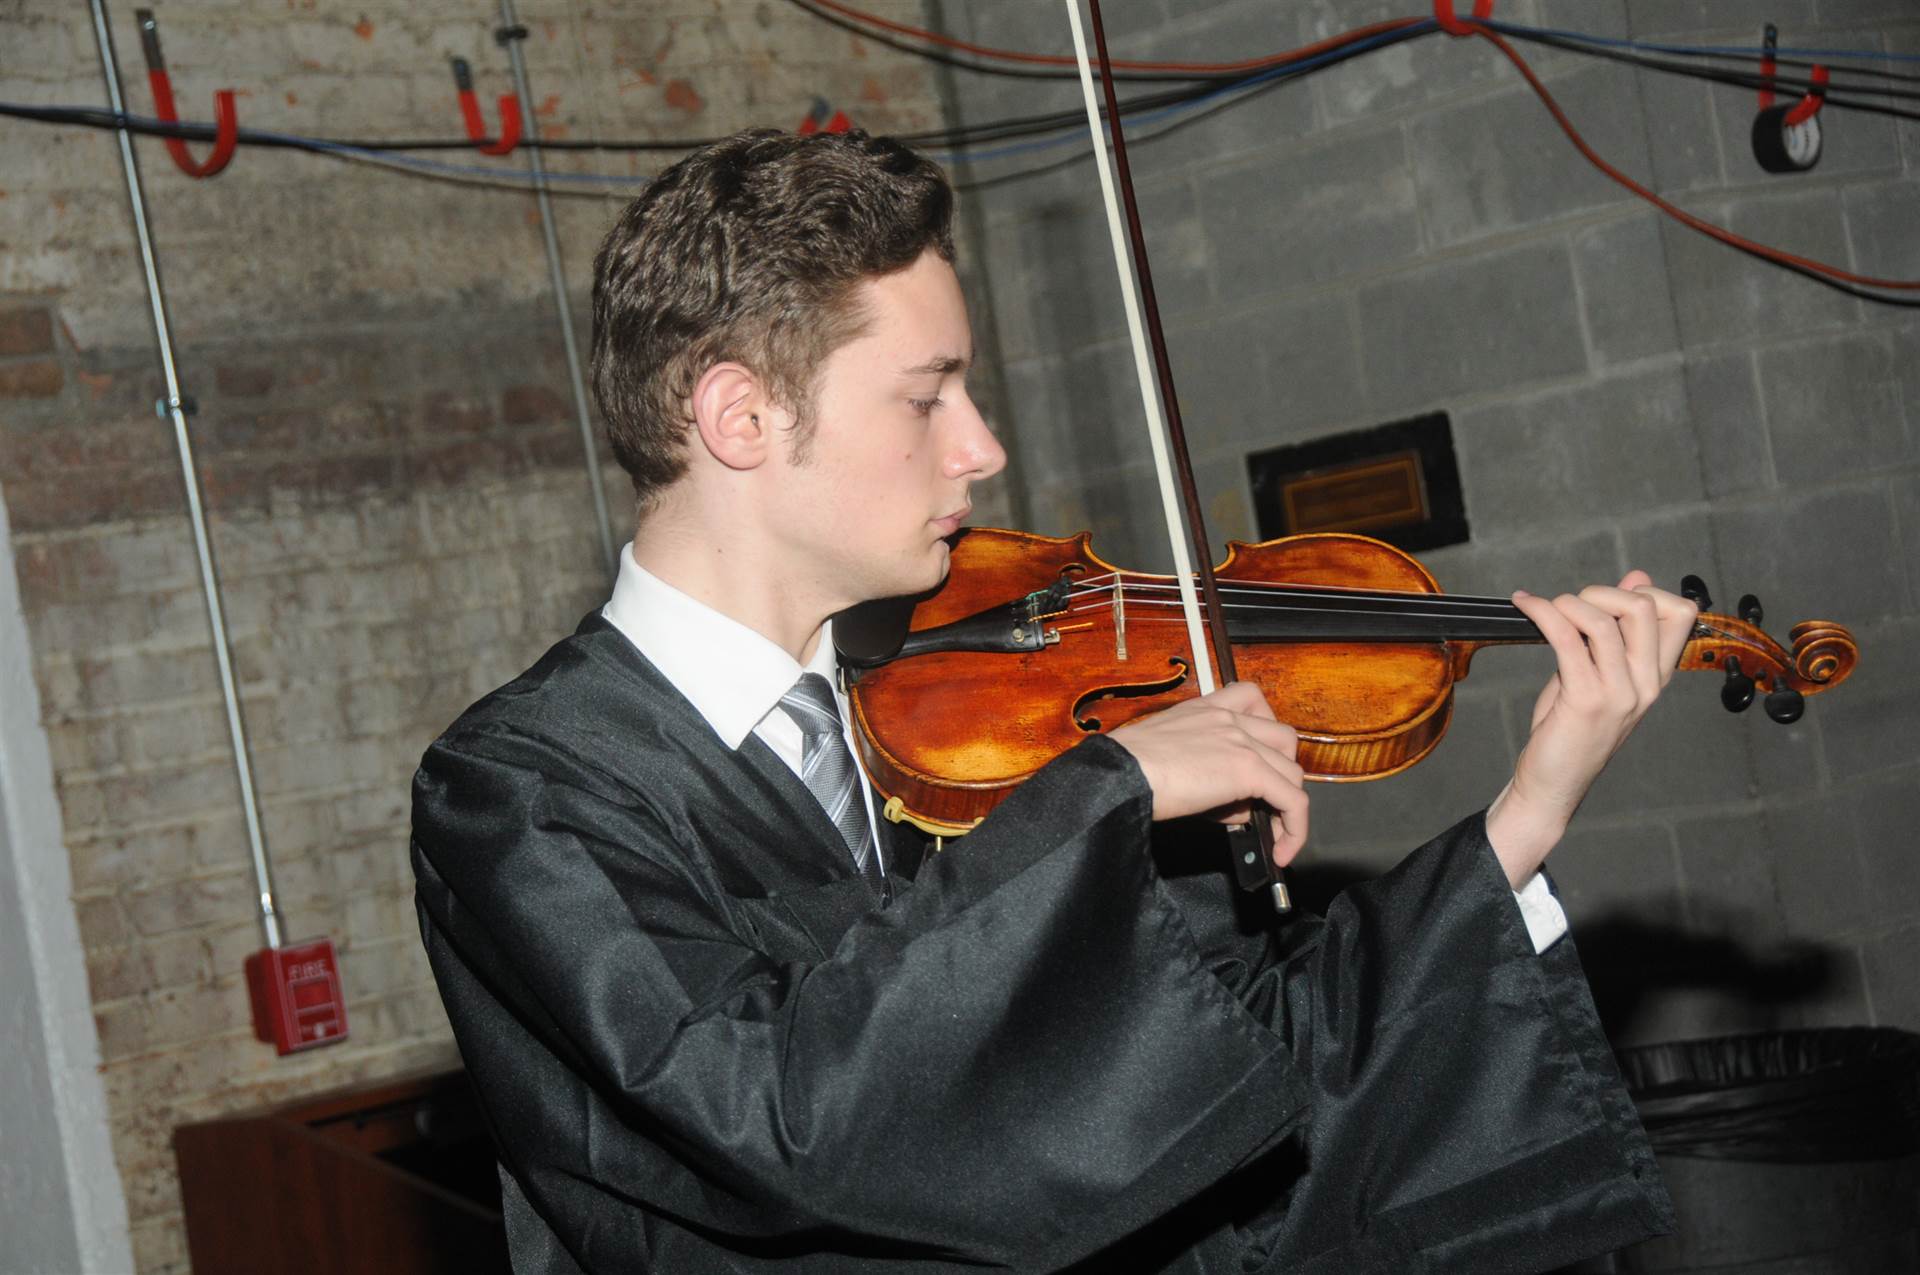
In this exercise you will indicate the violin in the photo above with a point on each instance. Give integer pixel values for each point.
(1032, 643)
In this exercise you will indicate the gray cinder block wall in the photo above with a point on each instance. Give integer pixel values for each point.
(399, 502)
(1410, 232)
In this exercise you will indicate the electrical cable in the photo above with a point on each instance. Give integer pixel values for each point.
(1205, 89)
(1021, 69)
(1570, 41)
(1805, 265)
(1834, 276)
(870, 24)
(1243, 66)
(1207, 99)
(1783, 55)
(1752, 80)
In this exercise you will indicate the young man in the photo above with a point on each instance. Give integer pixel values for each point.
(722, 1019)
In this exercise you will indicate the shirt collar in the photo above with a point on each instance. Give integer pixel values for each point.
(731, 675)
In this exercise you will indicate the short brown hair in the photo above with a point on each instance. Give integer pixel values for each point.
(749, 250)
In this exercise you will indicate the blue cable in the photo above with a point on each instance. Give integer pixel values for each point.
(396, 159)
(950, 154)
(1165, 112)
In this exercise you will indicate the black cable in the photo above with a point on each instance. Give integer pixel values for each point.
(1838, 95)
(903, 44)
(1721, 75)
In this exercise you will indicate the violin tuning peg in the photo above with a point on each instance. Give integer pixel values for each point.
(1736, 694)
(1694, 590)
(1784, 705)
(1750, 609)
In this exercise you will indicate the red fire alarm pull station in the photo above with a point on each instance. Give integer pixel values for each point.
(297, 1000)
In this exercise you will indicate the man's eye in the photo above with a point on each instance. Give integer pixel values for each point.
(924, 406)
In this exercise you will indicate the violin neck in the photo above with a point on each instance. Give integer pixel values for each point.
(1331, 616)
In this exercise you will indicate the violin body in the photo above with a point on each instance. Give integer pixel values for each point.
(952, 733)
(1033, 643)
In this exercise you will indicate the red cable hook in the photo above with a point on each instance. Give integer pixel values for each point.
(819, 121)
(476, 126)
(226, 121)
(1453, 25)
(1807, 107)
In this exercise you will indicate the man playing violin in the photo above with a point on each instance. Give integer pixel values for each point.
(723, 1018)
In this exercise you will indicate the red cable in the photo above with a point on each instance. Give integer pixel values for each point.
(1680, 215)
(1473, 27)
(1119, 64)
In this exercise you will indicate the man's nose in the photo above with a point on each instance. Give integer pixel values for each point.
(976, 450)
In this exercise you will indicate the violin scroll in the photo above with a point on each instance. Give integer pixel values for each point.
(1824, 653)
(1822, 656)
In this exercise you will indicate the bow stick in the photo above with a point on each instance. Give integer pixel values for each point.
(1252, 843)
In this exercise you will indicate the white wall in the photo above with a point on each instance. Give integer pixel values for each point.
(61, 1205)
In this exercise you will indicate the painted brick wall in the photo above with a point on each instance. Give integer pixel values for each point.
(386, 439)
(1409, 232)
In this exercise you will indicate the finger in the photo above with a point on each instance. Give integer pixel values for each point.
(1241, 697)
(1635, 579)
(1269, 776)
(1676, 616)
(1276, 736)
(1569, 647)
(1291, 836)
(1638, 624)
(1592, 613)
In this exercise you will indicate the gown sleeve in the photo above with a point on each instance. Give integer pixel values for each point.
(1023, 1060)
(1466, 1113)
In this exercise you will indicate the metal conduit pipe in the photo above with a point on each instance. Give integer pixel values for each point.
(511, 34)
(175, 406)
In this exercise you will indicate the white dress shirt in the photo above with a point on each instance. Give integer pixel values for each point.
(734, 678)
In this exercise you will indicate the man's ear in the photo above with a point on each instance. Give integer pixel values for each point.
(731, 412)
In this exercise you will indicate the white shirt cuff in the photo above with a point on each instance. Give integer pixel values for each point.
(1546, 919)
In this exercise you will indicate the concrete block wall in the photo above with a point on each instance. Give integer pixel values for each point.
(386, 439)
(1409, 232)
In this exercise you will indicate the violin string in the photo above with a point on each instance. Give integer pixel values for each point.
(1095, 593)
(1146, 606)
(1150, 584)
(1311, 600)
(1138, 611)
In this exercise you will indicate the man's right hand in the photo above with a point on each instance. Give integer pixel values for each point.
(1219, 754)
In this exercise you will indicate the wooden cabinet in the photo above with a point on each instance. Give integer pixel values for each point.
(398, 1177)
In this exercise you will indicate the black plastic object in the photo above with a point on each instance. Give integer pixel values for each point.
(1784, 705)
(1789, 1153)
(1737, 691)
(1838, 1094)
(1781, 147)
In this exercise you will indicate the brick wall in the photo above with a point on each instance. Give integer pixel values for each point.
(386, 440)
(1410, 232)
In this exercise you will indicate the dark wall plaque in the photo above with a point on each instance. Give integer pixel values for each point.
(1399, 483)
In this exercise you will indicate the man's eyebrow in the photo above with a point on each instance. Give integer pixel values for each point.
(944, 365)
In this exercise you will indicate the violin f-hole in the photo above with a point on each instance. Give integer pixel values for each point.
(1129, 690)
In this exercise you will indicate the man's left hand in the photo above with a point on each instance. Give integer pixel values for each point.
(1617, 648)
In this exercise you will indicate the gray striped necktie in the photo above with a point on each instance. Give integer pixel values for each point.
(826, 766)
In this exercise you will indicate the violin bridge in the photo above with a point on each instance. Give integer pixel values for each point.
(1119, 619)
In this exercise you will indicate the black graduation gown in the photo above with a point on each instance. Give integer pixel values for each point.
(702, 1045)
